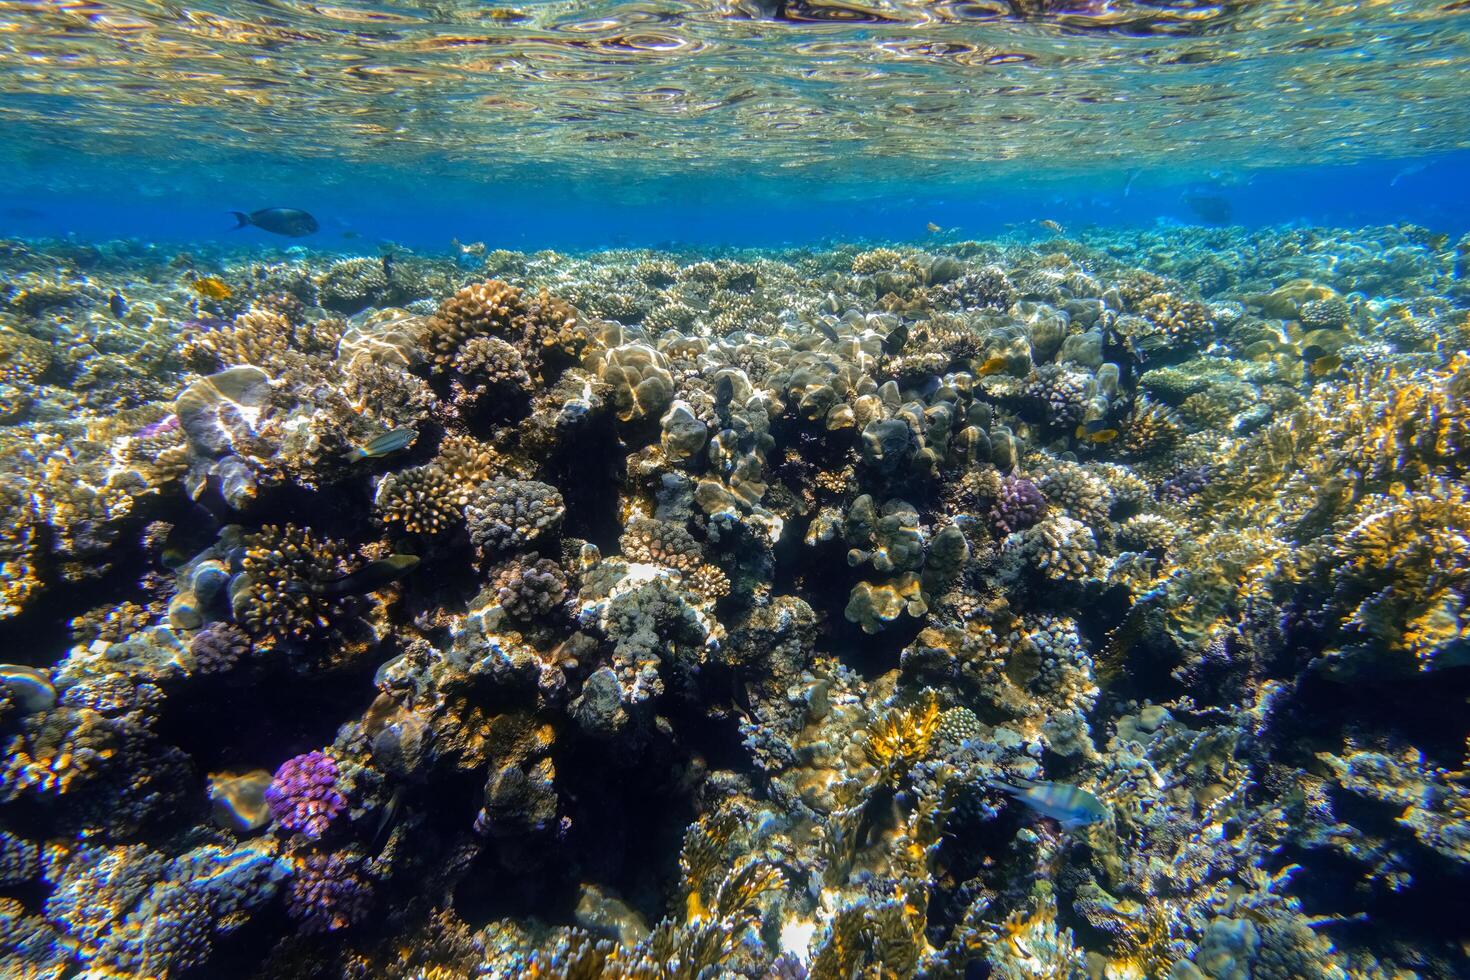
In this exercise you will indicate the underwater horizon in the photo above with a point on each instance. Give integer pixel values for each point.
(734, 490)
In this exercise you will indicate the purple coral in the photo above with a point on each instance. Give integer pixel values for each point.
(169, 423)
(329, 892)
(786, 967)
(303, 795)
(218, 648)
(1185, 484)
(1018, 505)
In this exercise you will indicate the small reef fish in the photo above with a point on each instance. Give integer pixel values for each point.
(212, 287)
(994, 364)
(388, 267)
(238, 800)
(1322, 366)
(1051, 225)
(828, 331)
(385, 444)
(117, 305)
(204, 324)
(1096, 431)
(897, 337)
(291, 222)
(1070, 806)
(369, 578)
(387, 818)
(933, 228)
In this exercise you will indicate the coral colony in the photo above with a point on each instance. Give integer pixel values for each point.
(1091, 606)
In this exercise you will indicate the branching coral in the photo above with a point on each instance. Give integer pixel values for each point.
(1404, 558)
(303, 795)
(900, 738)
(269, 598)
(505, 514)
(490, 308)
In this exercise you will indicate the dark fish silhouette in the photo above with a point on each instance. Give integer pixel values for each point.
(369, 578)
(118, 305)
(724, 392)
(828, 331)
(388, 267)
(897, 337)
(291, 222)
(1211, 208)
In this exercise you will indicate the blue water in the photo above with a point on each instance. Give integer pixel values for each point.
(360, 206)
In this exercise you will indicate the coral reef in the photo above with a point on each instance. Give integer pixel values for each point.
(303, 795)
(1090, 607)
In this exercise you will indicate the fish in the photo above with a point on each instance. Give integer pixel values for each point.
(724, 391)
(933, 228)
(1051, 225)
(117, 305)
(187, 537)
(349, 234)
(1097, 431)
(291, 222)
(387, 443)
(388, 266)
(897, 337)
(1324, 365)
(388, 816)
(1071, 806)
(828, 331)
(1211, 208)
(371, 577)
(1409, 171)
(212, 287)
(994, 364)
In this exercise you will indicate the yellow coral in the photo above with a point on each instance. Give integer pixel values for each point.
(1410, 551)
(900, 737)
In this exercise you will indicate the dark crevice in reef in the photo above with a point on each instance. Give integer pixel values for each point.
(623, 821)
(42, 631)
(336, 513)
(871, 654)
(1423, 710)
(586, 469)
(253, 722)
